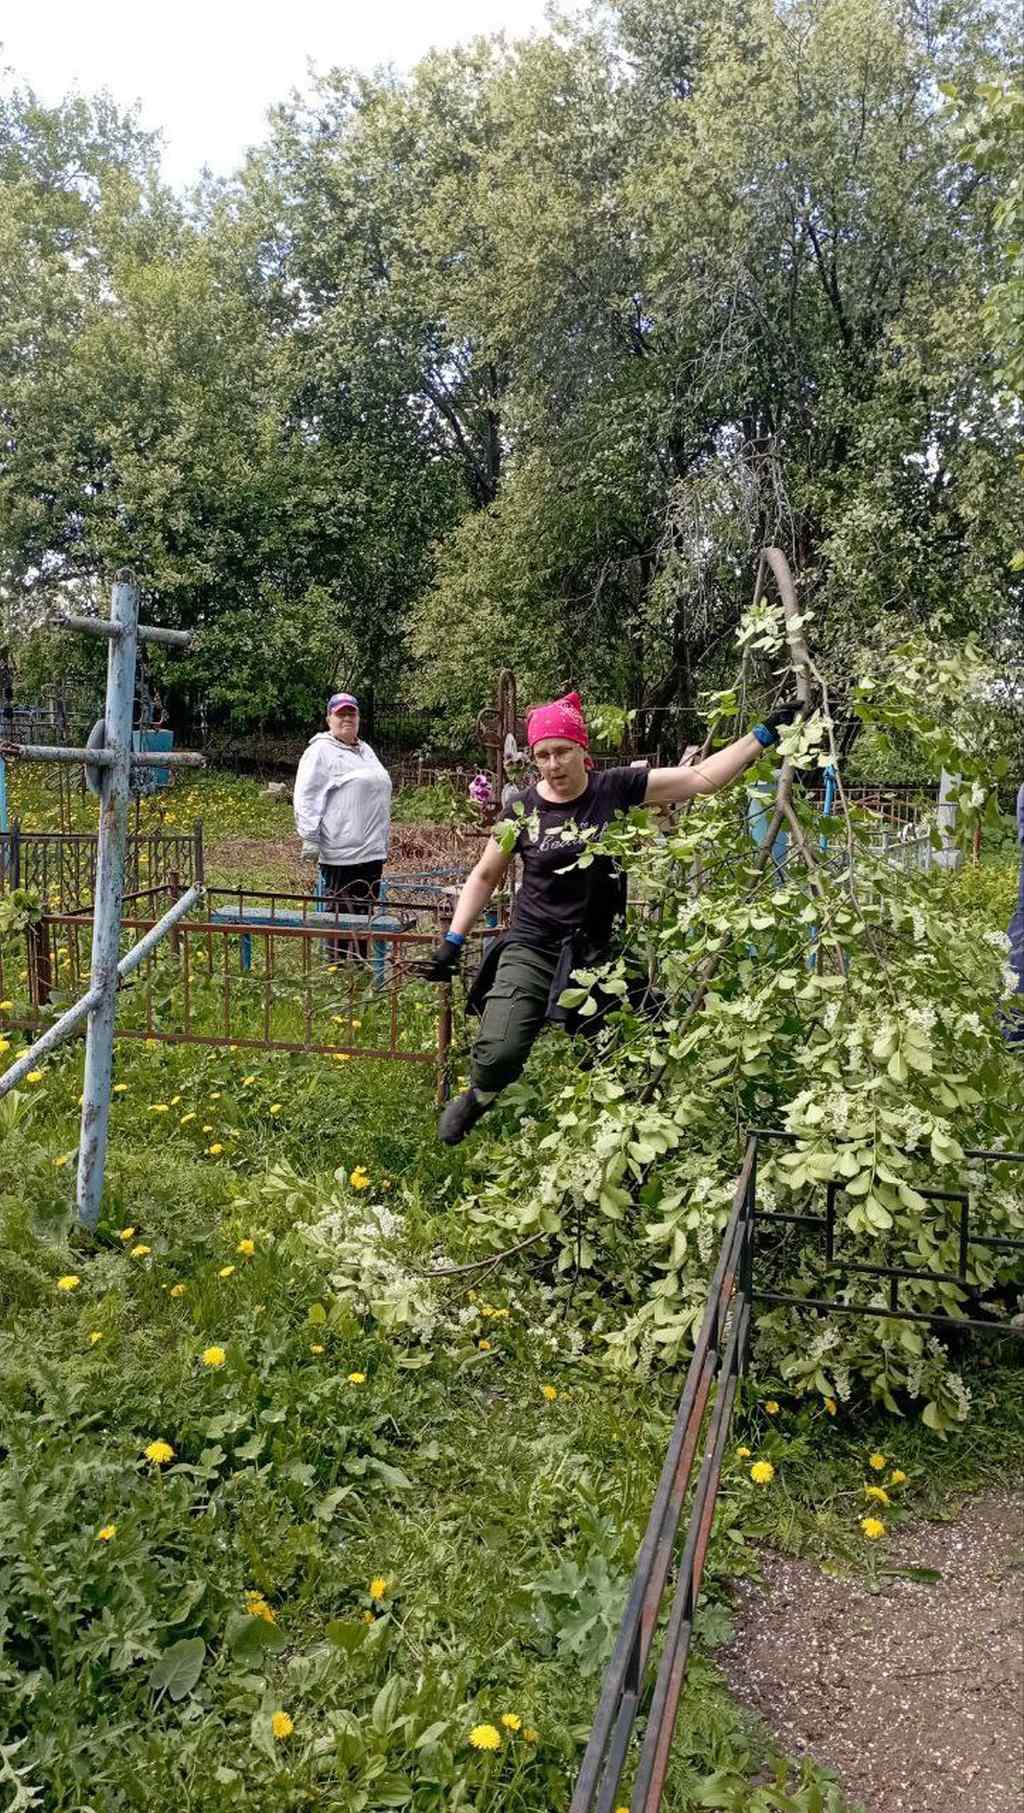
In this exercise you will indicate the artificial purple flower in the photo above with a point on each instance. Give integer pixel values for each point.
(481, 791)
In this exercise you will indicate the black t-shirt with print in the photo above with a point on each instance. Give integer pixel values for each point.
(551, 904)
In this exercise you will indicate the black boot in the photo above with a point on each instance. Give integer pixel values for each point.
(460, 1115)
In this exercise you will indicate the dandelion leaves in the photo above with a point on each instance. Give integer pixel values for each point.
(177, 1670)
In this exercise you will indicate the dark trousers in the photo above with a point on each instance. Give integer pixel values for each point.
(516, 1009)
(513, 1014)
(352, 887)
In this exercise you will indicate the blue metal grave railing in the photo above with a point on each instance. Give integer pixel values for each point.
(109, 761)
(720, 1358)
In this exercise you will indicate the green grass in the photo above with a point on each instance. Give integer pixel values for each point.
(505, 1524)
(503, 1521)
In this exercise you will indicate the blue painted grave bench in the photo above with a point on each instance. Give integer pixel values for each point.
(335, 926)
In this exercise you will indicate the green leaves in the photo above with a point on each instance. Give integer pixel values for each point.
(177, 1670)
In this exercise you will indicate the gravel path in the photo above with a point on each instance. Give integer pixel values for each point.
(913, 1695)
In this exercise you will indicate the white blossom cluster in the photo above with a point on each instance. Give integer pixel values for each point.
(366, 1274)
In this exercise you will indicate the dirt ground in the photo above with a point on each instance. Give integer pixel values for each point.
(914, 1695)
(416, 848)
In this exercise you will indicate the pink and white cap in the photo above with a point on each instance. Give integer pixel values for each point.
(341, 701)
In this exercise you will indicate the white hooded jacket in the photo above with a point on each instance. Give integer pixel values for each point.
(343, 800)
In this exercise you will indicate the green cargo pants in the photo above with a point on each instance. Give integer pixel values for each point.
(513, 1015)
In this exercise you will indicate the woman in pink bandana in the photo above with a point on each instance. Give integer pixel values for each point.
(564, 915)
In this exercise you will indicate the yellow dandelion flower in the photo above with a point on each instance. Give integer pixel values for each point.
(248, 1247)
(215, 1097)
(743, 1453)
(95, 1334)
(275, 1108)
(873, 1528)
(484, 1346)
(175, 1099)
(213, 1356)
(214, 1149)
(246, 1080)
(5, 1007)
(831, 1406)
(316, 1347)
(878, 1462)
(225, 1271)
(530, 1734)
(140, 1251)
(281, 1725)
(511, 1721)
(357, 1378)
(762, 1473)
(485, 1737)
(120, 1088)
(176, 1290)
(62, 1160)
(159, 1453)
(549, 1392)
(770, 1407)
(107, 1534)
(69, 1282)
(359, 1179)
(159, 1108)
(5, 1044)
(877, 1494)
(151, 1044)
(34, 1076)
(897, 1477)
(257, 1607)
(378, 1587)
(127, 1234)
(187, 1117)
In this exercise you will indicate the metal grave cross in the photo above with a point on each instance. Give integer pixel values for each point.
(109, 759)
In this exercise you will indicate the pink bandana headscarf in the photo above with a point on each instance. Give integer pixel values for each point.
(562, 718)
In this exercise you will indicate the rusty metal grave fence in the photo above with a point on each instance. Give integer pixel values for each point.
(298, 979)
(60, 866)
(700, 1433)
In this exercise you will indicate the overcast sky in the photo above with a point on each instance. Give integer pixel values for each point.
(205, 71)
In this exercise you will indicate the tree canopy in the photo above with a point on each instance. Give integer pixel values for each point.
(516, 360)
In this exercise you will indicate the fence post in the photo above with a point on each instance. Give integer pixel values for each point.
(174, 892)
(444, 1045)
(949, 856)
(40, 969)
(113, 831)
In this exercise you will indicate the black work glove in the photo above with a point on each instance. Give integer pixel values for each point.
(442, 964)
(783, 715)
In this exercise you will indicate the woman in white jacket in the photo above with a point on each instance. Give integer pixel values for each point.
(343, 809)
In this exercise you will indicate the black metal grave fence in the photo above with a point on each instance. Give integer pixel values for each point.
(60, 866)
(698, 1441)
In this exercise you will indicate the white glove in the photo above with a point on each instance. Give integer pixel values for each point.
(310, 850)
